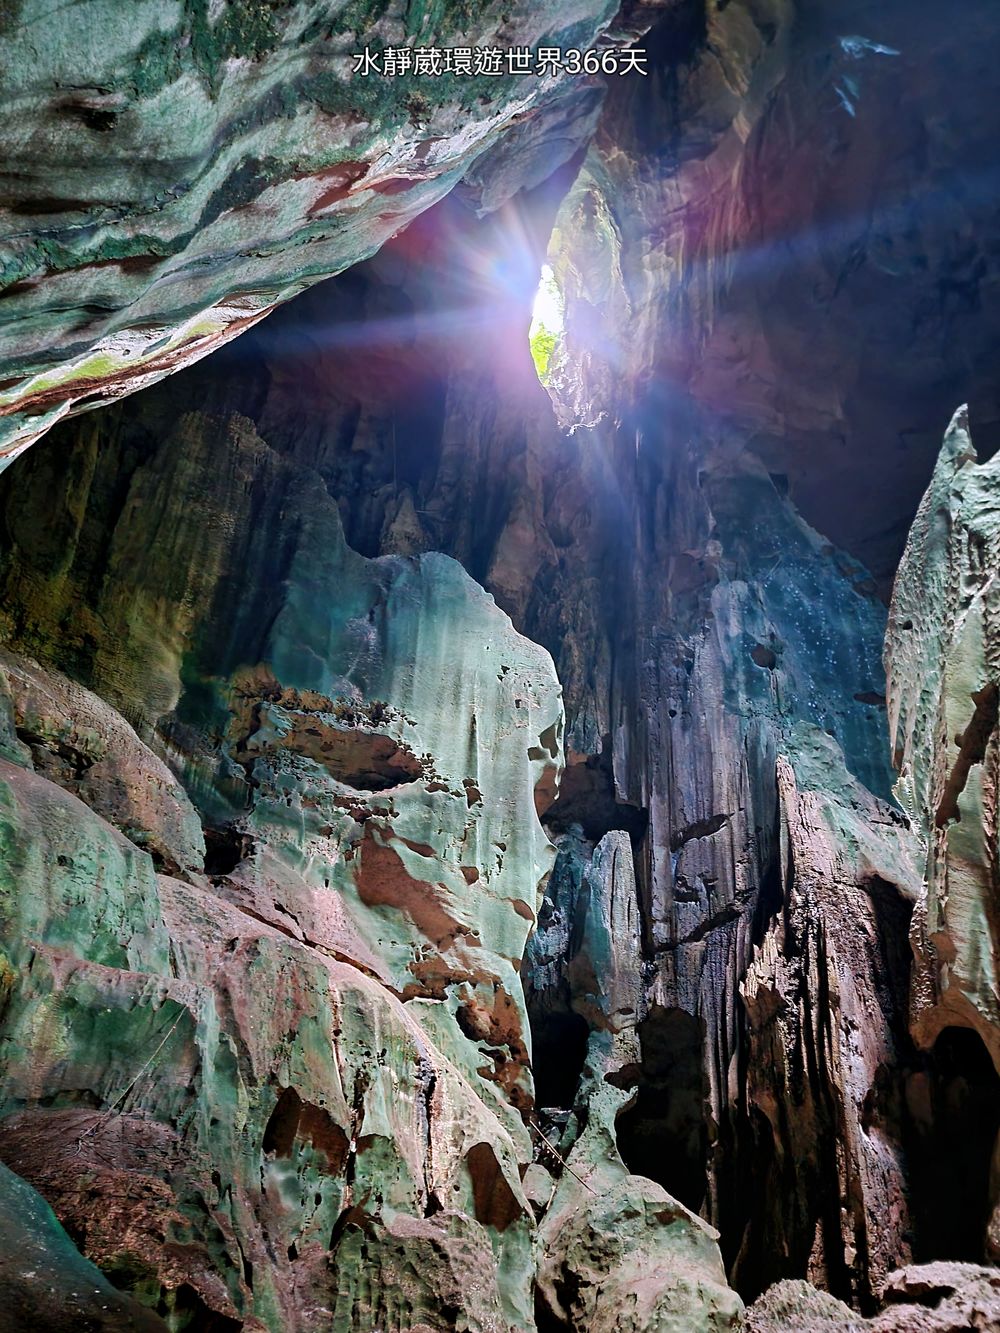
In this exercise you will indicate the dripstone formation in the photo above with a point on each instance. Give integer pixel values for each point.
(478, 854)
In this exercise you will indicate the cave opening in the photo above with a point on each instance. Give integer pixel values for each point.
(664, 1134)
(546, 328)
(772, 258)
(186, 1308)
(587, 798)
(225, 849)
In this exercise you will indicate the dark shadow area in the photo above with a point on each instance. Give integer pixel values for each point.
(187, 1310)
(893, 913)
(559, 1047)
(664, 1135)
(953, 1107)
(778, 1210)
(587, 797)
(225, 849)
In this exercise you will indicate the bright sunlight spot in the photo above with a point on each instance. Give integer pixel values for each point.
(546, 322)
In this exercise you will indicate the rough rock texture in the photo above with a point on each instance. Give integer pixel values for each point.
(769, 867)
(719, 987)
(175, 171)
(944, 682)
(617, 1252)
(921, 1298)
(720, 660)
(796, 1306)
(77, 741)
(943, 664)
(45, 1284)
(620, 1254)
(349, 777)
(932, 1298)
(285, 1093)
(750, 829)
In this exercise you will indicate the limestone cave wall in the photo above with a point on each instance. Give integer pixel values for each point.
(487, 855)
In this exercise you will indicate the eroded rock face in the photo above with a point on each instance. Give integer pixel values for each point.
(621, 1254)
(921, 1298)
(77, 741)
(722, 666)
(941, 661)
(943, 678)
(721, 978)
(770, 870)
(617, 1252)
(348, 773)
(284, 1093)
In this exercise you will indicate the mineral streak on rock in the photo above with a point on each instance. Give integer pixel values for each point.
(770, 868)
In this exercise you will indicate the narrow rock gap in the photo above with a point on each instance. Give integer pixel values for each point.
(972, 745)
(587, 797)
(558, 1033)
(225, 849)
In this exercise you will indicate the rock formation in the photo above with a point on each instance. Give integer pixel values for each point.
(175, 173)
(944, 677)
(296, 1065)
(45, 1284)
(466, 865)
(926, 1298)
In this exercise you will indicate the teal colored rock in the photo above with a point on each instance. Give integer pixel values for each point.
(68, 881)
(175, 171)
(77, 741)
(942, 655)
(46, 1286)
(620, 1254)
(943, 664)
(285, 1091)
